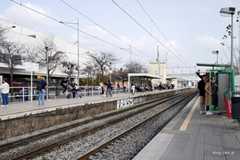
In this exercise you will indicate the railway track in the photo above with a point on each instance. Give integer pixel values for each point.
(54, 130)
(102, 151)
(88, 126)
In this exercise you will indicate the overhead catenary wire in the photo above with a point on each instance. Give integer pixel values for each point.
(97, 24)
(155, 24)
(146, 30)
(90, 19)
(68, 25)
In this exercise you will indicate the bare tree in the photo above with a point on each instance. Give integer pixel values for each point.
(89, 69)
(134, 67)
(102, 62)
(48, 55)
(69, 68)
(11, 55)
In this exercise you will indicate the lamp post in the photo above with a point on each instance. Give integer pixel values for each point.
(217, 53)
(230, 11)
(238, 13)
(47, 69)
(31, 76)
(75, 23)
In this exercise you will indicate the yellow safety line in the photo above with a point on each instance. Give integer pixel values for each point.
(189, 117)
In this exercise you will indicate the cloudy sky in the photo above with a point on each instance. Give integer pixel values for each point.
(191, 28)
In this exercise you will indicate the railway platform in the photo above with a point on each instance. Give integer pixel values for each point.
(25, 118)
(191, 136)
(19, 109)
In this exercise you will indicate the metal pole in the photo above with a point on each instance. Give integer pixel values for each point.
(31, 89)
(23, 92)
(238, 43)
(47, 69)
(78, 51)
(158, 60)
(232, 41)
(129, 83)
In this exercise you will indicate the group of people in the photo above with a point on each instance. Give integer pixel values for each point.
(70, 88)
(106, 88)
(205, 93)
(41, 91)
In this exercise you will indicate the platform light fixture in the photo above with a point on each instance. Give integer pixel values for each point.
(78, 54)
(216, 52)
(229, 11)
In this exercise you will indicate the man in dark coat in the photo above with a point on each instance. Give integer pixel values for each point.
(201, 88)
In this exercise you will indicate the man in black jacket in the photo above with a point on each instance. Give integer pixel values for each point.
(201, 88)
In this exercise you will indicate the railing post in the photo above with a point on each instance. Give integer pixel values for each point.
(23, 94)
(92, 90)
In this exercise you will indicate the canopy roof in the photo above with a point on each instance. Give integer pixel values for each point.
(144, 75)
(212, 65)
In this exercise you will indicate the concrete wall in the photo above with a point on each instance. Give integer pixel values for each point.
(27, 124)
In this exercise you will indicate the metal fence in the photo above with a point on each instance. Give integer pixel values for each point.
(22, 94)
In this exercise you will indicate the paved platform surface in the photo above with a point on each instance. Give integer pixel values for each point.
(191, 136)
(24, 108)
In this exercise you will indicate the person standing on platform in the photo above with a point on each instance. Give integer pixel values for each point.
(201, 88)
(4, 93)
(208, 94)
(109, 89)
(133, 88)
(101, 88)
(74, 89)
(41, 88)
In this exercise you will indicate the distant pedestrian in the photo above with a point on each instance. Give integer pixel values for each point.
(201, 88)
(133, 88)
(64, 84)
(208, 94)
(101, 88)
(74, 89)
(41, 88)
(4, 93)
(118, 86)
(109, 89)
(124, 89)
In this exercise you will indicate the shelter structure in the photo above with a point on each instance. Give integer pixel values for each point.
(142, 80)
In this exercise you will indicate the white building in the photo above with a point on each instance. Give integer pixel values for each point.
(158, 69)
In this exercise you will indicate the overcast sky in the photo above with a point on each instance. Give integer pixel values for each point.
(193, 27)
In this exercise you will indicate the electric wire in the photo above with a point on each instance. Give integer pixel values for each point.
(95, 23)
(155, 24)
(145, 29)
(70, 26)
(89, 19)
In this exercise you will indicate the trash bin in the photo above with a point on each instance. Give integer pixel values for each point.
(236, 107)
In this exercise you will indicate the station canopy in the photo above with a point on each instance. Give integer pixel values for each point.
(141, 79)
(144, 75)
(212, 65)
